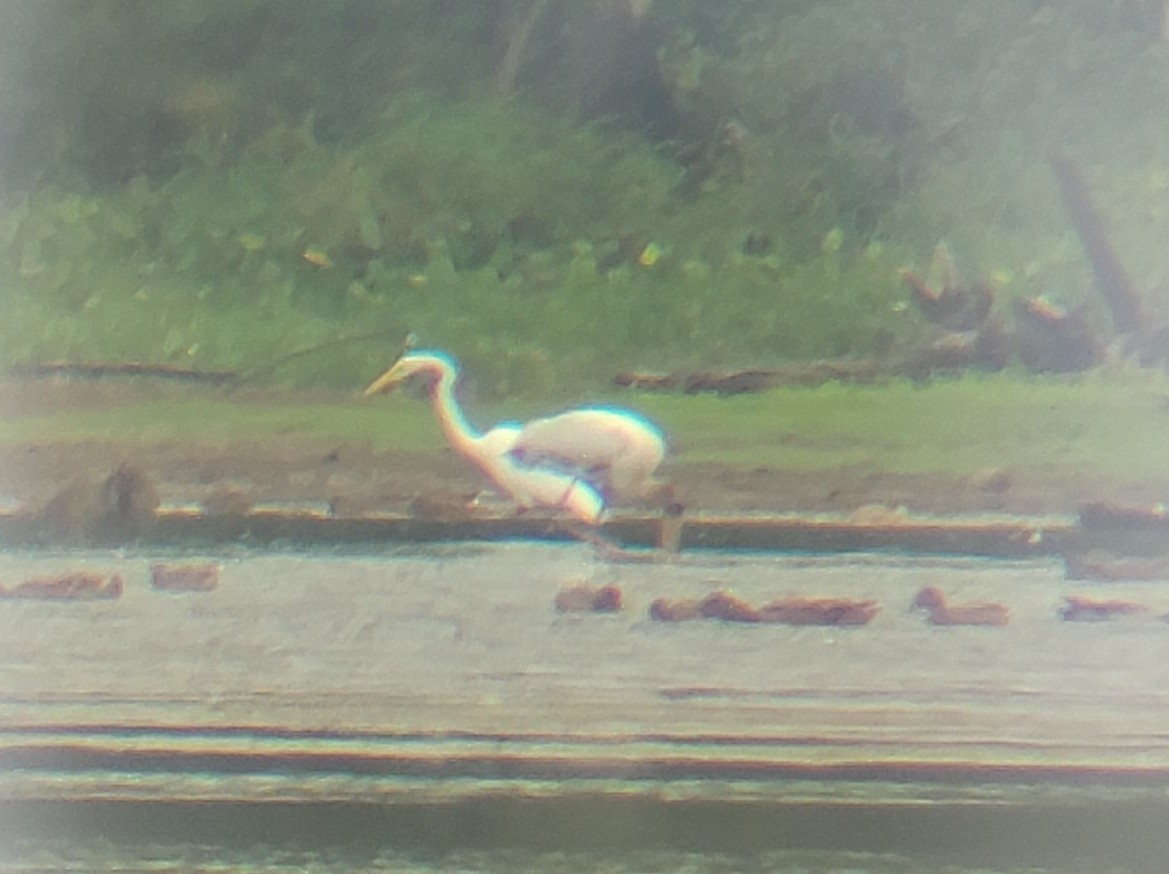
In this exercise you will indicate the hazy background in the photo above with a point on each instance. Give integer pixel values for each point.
(555, 189)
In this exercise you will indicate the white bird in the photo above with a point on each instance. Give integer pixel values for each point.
(574, 461)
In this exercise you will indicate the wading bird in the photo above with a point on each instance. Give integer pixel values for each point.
(575, 461)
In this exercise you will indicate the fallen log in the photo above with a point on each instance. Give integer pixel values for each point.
(104, 369)
(955, 352)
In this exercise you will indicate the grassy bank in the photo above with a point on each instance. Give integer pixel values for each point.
(1103, 425)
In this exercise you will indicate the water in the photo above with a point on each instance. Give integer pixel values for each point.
(604, 835)
(162, 858)
(428, 709)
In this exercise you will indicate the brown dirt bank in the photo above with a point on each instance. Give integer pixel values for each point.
(355, 478)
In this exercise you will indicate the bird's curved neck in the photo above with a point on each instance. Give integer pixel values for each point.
(461, 434)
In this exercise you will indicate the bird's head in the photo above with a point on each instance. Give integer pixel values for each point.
(435, 365)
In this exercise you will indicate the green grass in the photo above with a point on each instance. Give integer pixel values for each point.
(1104, 424)
(1095, 424)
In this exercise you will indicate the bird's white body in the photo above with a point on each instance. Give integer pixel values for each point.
(572, 461)
(617, 450)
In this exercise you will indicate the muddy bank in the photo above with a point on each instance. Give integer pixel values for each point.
(354, 477)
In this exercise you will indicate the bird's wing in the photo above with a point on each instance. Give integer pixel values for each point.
(586, 439)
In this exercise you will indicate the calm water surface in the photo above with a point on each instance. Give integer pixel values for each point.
(454, 721)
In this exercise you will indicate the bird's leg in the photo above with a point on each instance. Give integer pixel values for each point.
(670, 532)
(588, 535)
(607, 550)
(671, 522)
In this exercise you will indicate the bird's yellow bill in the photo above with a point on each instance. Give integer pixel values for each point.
(386, 381)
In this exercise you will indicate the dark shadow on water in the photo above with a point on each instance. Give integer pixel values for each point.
(1128, 835)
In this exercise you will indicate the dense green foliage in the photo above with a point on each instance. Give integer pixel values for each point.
(552, 190)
